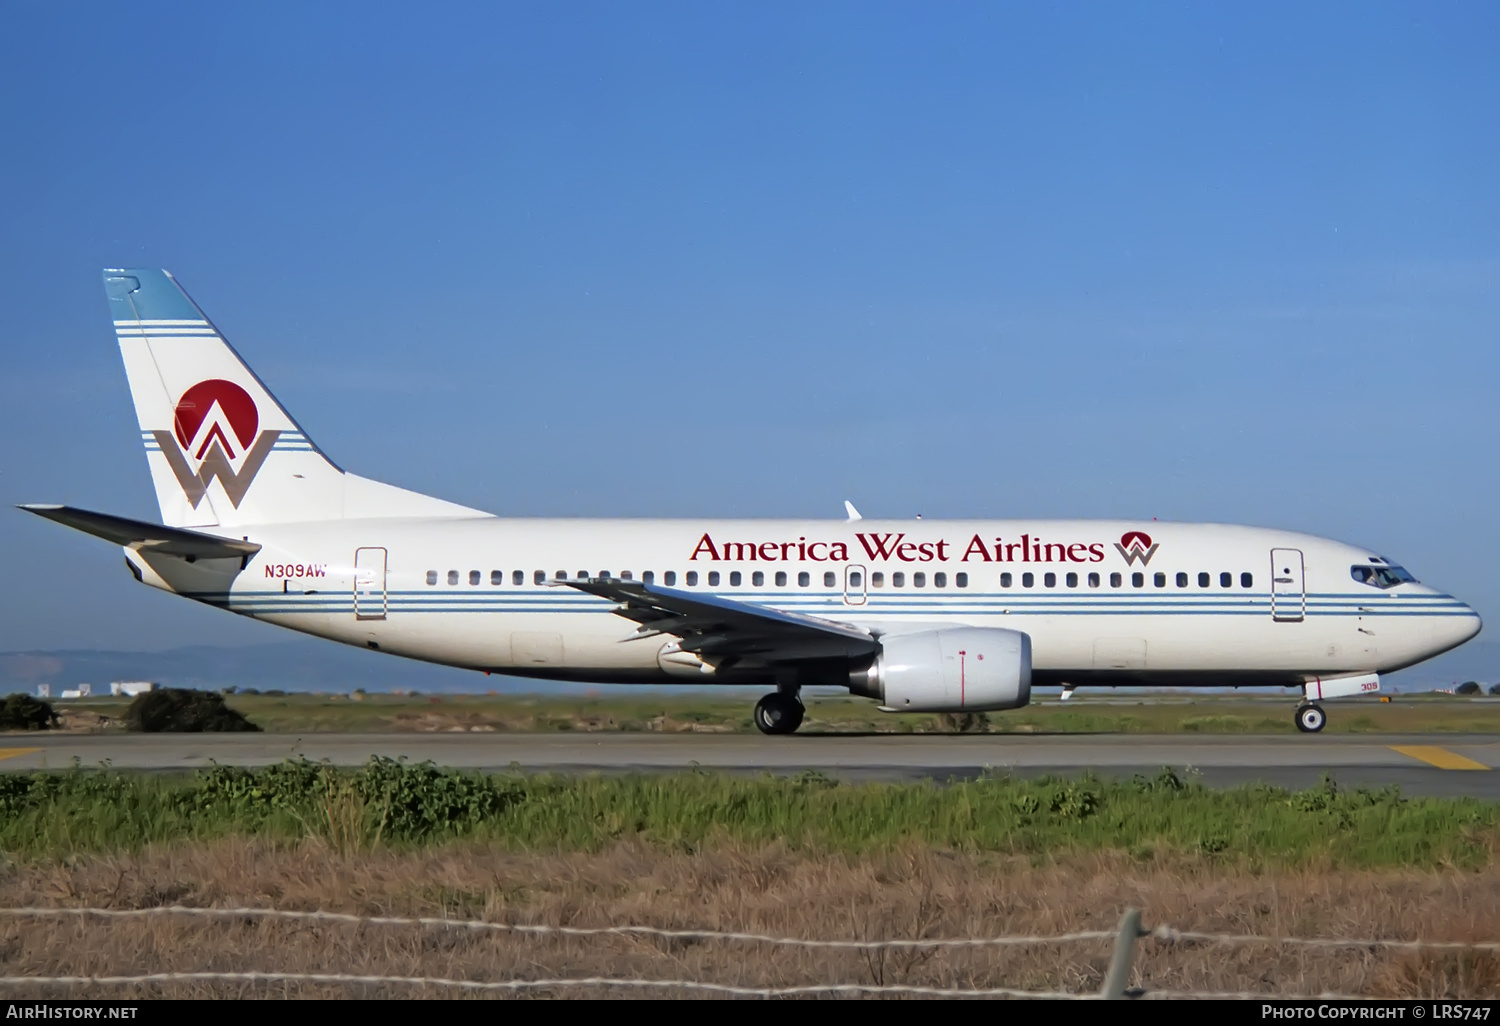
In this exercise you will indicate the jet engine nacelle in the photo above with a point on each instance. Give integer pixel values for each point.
(961, 669)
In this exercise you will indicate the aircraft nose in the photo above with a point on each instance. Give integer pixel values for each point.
(1474, 626)
(1458, 628)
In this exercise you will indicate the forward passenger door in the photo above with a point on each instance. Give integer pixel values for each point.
(1288, 587)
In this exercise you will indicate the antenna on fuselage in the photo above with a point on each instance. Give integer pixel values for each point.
(853, 513)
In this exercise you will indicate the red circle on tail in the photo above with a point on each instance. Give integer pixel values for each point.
(236, 404)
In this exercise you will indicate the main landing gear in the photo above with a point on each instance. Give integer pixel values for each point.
(780, 712)
(1311, 718)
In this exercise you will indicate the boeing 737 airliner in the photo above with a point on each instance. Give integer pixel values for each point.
(927, 615)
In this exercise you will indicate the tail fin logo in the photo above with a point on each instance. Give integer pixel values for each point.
(1136, 545)
(215, 434)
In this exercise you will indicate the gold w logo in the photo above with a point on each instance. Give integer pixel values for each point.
(215, 465)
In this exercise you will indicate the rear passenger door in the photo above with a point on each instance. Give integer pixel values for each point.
(369, 584)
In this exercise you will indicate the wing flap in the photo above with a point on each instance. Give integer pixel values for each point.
(140, 535)
(714, 626)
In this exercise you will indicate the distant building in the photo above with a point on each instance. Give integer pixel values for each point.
(131, 687)
(44, 691)
(81, 691)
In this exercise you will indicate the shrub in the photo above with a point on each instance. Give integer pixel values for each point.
(22, 712)
(964, 723)
(182, 710)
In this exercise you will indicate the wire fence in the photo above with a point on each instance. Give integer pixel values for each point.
(1125, 938)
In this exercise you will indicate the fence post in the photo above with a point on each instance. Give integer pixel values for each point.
(1119, 964)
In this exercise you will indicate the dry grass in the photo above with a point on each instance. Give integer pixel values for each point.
(911, 893)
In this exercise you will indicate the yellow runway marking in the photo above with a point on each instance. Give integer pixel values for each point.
(11, 753)
(1439, 757)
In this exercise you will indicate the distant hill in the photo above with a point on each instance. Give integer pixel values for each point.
(310, 664)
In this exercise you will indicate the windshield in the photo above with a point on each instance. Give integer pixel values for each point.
(1381, 576)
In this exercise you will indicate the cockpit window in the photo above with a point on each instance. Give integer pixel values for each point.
(1381, 576)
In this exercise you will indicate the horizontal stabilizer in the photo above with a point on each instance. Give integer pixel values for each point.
(139, 535)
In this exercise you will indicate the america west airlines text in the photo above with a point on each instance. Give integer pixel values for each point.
(894, 546)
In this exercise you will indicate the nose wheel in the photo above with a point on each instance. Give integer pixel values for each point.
(778, 713)
(1311, 718)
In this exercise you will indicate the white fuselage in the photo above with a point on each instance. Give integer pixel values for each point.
(1193, 604)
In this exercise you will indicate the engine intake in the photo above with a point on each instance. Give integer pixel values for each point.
(960, 669)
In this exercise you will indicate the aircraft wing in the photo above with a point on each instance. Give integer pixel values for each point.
(714, 626)
(137, 534)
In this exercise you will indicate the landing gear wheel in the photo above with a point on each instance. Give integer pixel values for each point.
(777, 713)
(1311, 718)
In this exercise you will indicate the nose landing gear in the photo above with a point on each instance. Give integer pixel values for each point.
(1311, 718)
(780, 712)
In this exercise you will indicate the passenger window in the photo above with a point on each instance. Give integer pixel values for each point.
(1161, 579)
(781, 578)
(539, 577)
(1028, 579)
(432, 577)
(830, 579)
(692, 578)
(1247, 580)
(804, 579)
(497, 576)
(962, 580)
(1226, 580)
(452, 576)
(1005, 579)
(713, 578)
(734, 579)
(1204, 580)
(1093, 580)
(1182, 580)
(669, 578)
(625, 575)
(758, 578)
(648, 576)
(1049, 579)
(1137, 580)
(919, 580)
(473, 577)
(877, 579)
(855, 579)
(940, 580)
(603, 575)
(583, 575)
(898, 579)
(1072, 580)
(518, 577)
(1115, 580)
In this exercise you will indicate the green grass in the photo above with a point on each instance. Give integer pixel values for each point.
(730, 713)
(391, 803)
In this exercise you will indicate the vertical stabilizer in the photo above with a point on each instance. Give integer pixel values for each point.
(222, 450)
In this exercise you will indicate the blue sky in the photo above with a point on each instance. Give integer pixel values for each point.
(1189, 261)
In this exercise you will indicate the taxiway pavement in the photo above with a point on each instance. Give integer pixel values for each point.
(1419, 764)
